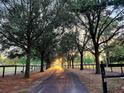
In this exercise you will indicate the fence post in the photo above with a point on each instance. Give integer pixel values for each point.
(3, 71)
(34, 68)
(121, 69)
(23, 68)
(104, 83)
(111, 69)
(94, 66)
(15, 70)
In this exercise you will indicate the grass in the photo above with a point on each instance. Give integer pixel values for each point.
(94, 82)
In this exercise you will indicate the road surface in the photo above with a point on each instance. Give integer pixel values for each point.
(59, 82)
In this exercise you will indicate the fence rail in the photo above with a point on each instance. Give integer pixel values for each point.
(33, 67)
(105, 76)
(85, 66)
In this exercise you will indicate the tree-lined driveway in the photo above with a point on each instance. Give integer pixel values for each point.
(59, 82)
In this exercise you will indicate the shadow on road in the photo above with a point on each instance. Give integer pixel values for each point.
(62, 82)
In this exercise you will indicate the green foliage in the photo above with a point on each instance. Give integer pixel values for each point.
(83, 3)
(117, 54)
(77, 59)
(68, 43)
(117, 51)
(34, 61)
(46, 44)
(21, 60)
(68, 47)
(116, 2)
(7, 61)
(117, 59)
(88, 59)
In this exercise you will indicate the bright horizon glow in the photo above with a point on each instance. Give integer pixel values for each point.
(56, 65)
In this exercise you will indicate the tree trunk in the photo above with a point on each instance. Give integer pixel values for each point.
(48, 64)
(62, 65)
(81, 61)
(42, 63)
(68, 64)
(27, 69)
(97, 60)
(72, 63)
(107, 57)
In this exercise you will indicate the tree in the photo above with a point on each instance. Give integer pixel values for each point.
(22, 21)
(81, 42)
(96, 17)
(19, 25)
(116, 53)
(68, 47)
(44, 45)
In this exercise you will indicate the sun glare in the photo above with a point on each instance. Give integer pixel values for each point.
(57, 65)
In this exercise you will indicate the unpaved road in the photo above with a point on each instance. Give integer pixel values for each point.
(59, 82)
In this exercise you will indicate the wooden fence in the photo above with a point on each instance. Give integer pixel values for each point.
(105, 74)
(33, 67)
(85, 66)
